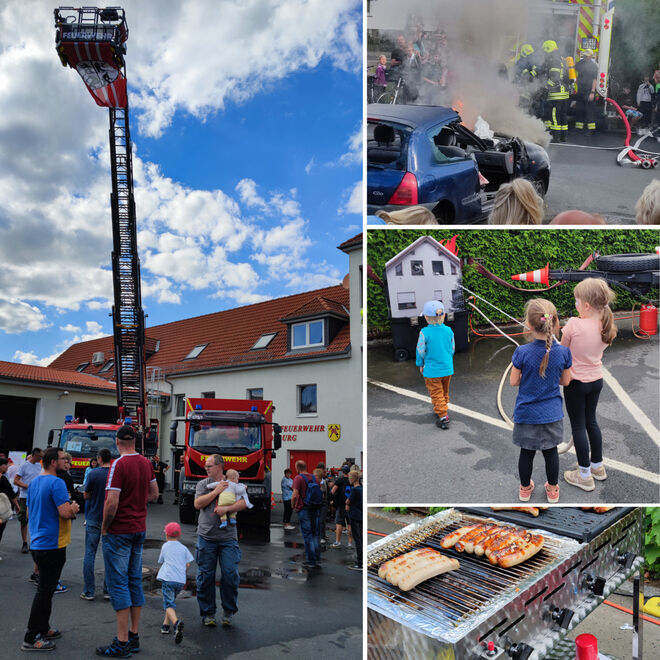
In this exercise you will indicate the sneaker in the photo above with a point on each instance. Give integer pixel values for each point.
(573, 477)
(133, 642)
(232, 521)
(106, 595)
(223, 524)
(599, 473)
(61, 588)
(355, 567)
(336, 544)
(25, 550)
(310, 564)
(226, 618)
(552, 493)
(39, 644)
(116, 649)
(350, 546)
(209, 621)
(34, 578)
(563, 447)
(178, 630)
(525, 492)
(165, 629)
(442, 423)
(84, 596)
(289, 527)
(53, 634)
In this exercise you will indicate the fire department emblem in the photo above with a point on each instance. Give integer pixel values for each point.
(334, 432)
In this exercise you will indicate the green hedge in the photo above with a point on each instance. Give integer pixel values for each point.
(508, 252)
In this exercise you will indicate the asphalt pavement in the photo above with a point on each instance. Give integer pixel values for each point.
(284, 610)
(585, 176)
(611, 626)
(411, 461)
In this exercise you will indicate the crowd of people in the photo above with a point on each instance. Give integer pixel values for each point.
(538, 370)
(116, 494)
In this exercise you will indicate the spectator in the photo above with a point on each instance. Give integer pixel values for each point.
(216, 545)
(11, 473)
(645, 97)
(380, 80)
(175, 559)
(27, 472)
(131, 483)
(410, 215)
(308, 514)
(287, 493)
(93, 463)
(65, 474)
(577, 218)
(647, 207)
(50, 533)
(339, 495)
(160, 469)
(354, 513)
(94, 495)
(319, 473)
(516, 203)
(398, 52)
(5, 487)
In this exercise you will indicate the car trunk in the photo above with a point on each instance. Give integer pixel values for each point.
(382, 183)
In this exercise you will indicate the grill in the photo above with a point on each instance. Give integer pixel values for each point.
(484, 611)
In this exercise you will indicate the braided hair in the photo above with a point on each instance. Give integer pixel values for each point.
(541, 317)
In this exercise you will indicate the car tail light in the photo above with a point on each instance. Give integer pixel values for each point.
(406, 193)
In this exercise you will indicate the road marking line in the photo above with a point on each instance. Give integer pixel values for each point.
(632, 407)
(457, 409)
(609, 462)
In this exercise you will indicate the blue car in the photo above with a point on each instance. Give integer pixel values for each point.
(423, 155)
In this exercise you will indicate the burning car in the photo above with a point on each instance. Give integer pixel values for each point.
(424, 155)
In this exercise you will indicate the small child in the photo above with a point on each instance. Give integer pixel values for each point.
(380, 81)
(175, 559)
(538, 369)
(435, 350)
(587, 336)
(233, 492)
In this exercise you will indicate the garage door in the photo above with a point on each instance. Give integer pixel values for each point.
(17, 416)
(312, 458)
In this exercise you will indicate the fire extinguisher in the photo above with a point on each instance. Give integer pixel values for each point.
(648, 319)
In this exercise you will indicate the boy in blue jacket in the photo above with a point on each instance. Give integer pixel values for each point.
(435, 351)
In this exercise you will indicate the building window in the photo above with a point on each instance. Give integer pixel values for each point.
(437, 295)
(82, 366)
(208, 395)
(406, 300)
(107, 366)
(416, 268)
(398, 270)
(256, 393)
(195, 352)
(180, 405)
(453, 269)
(438, 268)
(304, 335)
(307, 400)
(263, 341)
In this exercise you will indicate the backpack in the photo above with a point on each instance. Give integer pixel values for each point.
(313, 496)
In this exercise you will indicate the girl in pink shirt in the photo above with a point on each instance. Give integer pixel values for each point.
(587, 336)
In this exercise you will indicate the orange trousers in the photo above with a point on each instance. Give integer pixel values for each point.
(439, 392)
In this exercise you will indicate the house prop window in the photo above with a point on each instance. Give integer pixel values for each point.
(398, 270)
(307, 400)
(453, 269)
(416, 268)
(438, 267)
(406, 300)
(437, 295)
(307, 335)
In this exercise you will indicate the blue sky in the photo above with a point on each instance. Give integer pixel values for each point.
(246, 123)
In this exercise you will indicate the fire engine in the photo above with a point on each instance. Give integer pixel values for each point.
(242, 431)
(92, 42)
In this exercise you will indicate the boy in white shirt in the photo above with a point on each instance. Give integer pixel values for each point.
(175, 559)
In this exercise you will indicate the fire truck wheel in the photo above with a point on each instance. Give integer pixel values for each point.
(401, 354)
(628, 263)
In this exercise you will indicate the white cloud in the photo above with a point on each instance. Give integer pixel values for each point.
(31, 358)
(310, 165)
(17, 316)
(354, 154)
(69, 327)
(353, 197)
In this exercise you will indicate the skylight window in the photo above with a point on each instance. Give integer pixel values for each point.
(195, 352)
(107, 366)
(263, 341)
(82, 366)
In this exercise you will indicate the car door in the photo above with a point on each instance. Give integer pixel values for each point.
(387, 155)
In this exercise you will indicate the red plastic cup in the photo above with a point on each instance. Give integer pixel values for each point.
(586, 647)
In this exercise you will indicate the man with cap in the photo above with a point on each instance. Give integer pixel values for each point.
(435, 359)
(587, 77)
(339, 500)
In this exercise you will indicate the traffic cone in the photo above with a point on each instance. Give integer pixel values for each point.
(537, 276)
(272, 501)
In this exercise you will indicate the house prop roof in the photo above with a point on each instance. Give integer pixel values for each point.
(442, 250)
(229, 336)
(53, 376)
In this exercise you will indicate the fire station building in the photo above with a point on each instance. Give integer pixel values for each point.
(303, 352)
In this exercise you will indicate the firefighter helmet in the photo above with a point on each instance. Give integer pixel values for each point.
(549, 46)
(587, 52)
(526, 50)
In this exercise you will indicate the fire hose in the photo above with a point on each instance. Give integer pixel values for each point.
(627, 156)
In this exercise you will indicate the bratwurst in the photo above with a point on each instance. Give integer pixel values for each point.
(412, 568)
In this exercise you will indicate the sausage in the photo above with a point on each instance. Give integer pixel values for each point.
(450, 540)
(412, 568)
(532, 510)
(512, 556)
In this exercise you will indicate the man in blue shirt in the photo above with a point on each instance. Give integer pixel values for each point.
(50, 533)
(94, 498)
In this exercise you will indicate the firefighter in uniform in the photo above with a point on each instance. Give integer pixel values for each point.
(553, 72)
(524, 76)
(587, 76)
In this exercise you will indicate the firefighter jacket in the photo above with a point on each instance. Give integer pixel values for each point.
(525, 70)
(554, 74)
(587, 72)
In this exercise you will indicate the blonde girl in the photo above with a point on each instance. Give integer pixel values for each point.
(538, 369)
(516, 203)
(587, 336)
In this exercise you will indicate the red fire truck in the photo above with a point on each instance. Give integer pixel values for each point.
(242, 431)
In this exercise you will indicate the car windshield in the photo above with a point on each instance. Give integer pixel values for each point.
(81, 442)
(225, 437)
(387, 145)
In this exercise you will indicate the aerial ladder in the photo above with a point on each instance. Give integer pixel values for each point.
(92, 41)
